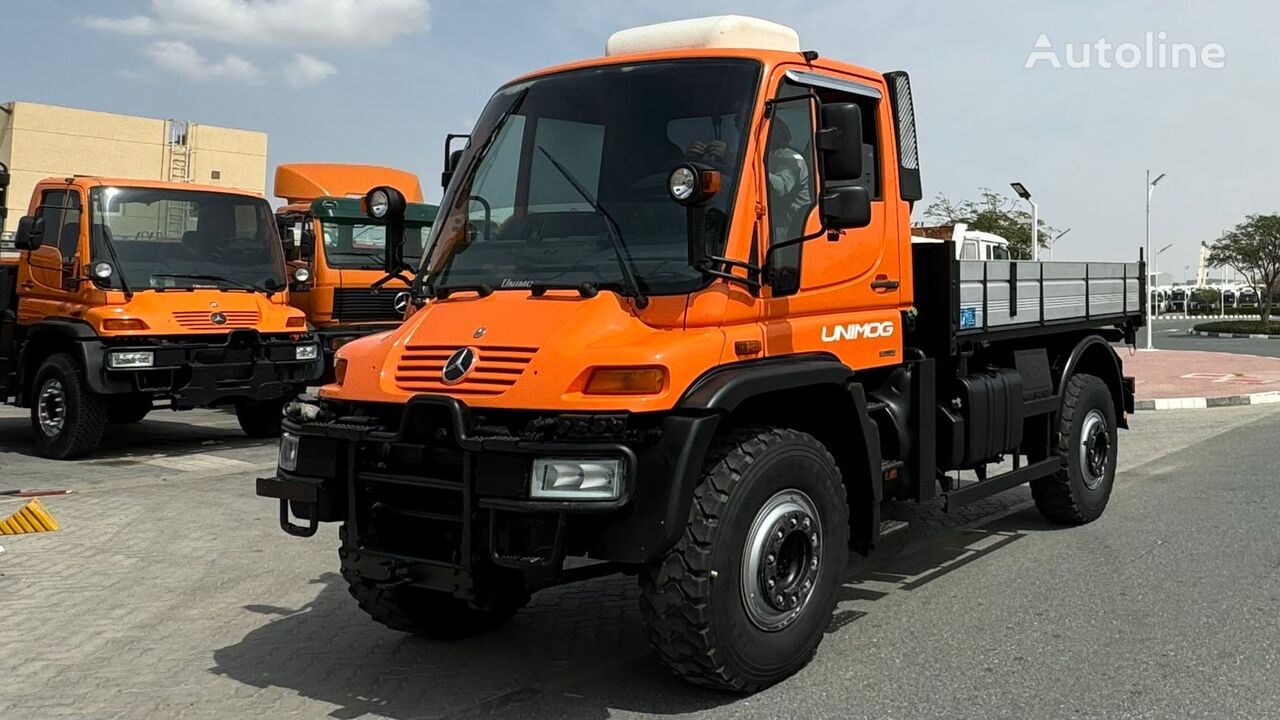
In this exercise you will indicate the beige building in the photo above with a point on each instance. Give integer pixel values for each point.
(39, 141)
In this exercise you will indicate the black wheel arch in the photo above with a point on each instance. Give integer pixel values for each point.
(1093, 355)
(816, 394)
(45, 338)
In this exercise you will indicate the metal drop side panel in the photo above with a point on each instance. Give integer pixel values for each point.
(997, 294)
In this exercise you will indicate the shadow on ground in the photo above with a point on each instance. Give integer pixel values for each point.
(162, 432)
(576, 651)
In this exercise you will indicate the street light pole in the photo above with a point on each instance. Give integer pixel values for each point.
(1151, 301)
(1025, 194)
(1054, 241)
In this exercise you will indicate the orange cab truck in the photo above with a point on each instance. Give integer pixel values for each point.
(341, 282)
(671, 321)
(128, 295)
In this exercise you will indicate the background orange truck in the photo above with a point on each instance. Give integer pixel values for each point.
(338, 254)
(127, 295)
(672, 323)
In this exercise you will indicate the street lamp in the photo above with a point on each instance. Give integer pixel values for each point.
(1025, 194)
(1151, 302)
(1054, 241)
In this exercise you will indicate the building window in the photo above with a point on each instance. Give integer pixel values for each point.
(216, 174)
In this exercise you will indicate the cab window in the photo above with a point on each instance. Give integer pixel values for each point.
(61, 212)
(969, 250)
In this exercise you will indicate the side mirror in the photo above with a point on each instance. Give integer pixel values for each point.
(30, 235)
(307, 243)
(840, 141)
(845, 207)
(451, 157)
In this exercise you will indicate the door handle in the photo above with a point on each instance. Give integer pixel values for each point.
(28, 285)
(883, 283)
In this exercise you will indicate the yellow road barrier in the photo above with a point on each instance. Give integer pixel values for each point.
(32, 518)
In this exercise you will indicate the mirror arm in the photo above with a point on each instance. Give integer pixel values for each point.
(749, 283)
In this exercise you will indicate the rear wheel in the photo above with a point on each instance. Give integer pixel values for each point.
(743, 599)
(1079, 490)
(127, 409)
(67, 417)
(260, 418)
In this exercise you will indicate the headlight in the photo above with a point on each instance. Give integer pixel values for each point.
(131, 359)
(682, 184)
(306, 352)
(288, 452)
(301, 274)
(569, 479)
(102, 270)
(379, 203)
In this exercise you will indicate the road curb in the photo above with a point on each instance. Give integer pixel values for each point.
(1262, 398)
(1249, 336)
(1208, 318)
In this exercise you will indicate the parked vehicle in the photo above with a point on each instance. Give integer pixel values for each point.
(644, 353)
(969, 244)
(127, 295)
(1247, 297)
(344, 283)
(1178, 300)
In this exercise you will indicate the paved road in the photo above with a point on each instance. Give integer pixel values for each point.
(170, 592)
(1172, 335)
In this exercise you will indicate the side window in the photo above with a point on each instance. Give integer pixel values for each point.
(494, 190)
(969, 250)
(61, 212)
(999, 252)
(789, 166)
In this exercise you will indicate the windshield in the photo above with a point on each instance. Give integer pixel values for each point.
(361, 245)
(563, 167)
(170, 238)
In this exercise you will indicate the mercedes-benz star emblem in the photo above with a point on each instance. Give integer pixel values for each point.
(459, 365)
(401, 302)
(218, 319)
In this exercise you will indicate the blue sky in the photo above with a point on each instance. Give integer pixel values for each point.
(382, 81)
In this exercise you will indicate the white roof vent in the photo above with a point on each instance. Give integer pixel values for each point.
(721, 31)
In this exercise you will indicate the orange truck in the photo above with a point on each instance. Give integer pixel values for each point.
(672, 323)
(346, 282)
(128, 295)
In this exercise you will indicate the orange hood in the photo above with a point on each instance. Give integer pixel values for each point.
(532, 353)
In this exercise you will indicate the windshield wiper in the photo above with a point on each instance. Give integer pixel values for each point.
(219, 279)
(584, 289)
(115, 261)
(625, 263)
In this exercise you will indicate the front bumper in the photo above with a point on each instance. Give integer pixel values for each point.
(194, 373)
(439, 494)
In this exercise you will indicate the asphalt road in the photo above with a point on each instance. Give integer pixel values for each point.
(1172, 335)
(171, 592)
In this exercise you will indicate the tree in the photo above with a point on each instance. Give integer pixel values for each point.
(993, 213)
(1253, 249)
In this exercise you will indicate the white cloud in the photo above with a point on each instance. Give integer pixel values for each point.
(306, 70)
(335, 23)
(179, 58)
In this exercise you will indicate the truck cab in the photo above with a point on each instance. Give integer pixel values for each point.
(337, 253)
(128, 295)
(671, 322)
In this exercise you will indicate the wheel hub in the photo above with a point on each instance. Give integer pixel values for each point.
(1095, 449)
(51, 408)
(781, 560)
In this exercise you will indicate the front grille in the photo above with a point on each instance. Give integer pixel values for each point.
(203, 319)
(356, 304)
(497, 368)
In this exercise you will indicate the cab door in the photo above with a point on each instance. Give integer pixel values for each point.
(836, 293)
(50, 284)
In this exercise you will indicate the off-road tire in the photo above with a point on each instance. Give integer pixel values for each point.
(693, 600)
(1065, 497)
(261, 418)
(427, 613)
(85, 411)
(127, 409)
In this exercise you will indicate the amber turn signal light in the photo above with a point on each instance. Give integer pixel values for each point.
(123, 324)
(339, 370)
(297, 321)
(626, 381)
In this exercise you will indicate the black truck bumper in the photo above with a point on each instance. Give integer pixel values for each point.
(240, 366)
(437, 497)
